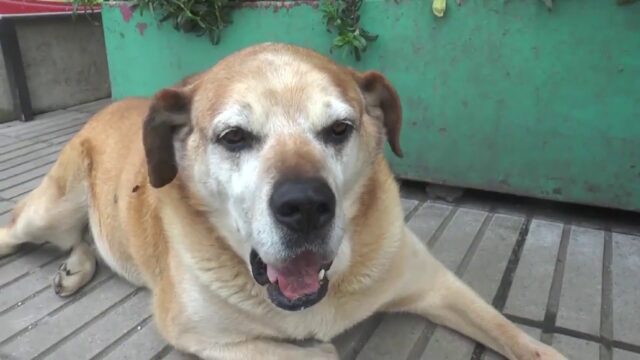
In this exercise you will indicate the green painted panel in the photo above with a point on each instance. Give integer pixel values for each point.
(498, 95)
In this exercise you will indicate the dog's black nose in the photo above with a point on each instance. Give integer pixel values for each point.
(303, 205)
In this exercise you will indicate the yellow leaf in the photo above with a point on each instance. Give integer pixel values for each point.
(439, 6)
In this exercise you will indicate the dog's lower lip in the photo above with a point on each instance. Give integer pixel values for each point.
(259, 272)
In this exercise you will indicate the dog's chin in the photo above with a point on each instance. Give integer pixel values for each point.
(297, 284)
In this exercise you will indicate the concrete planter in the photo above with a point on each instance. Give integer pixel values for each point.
(64, 61)
(502, 96)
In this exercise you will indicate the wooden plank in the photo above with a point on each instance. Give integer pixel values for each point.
(9, 174)
(15, 145)
(92, 107)
(73, 121)
(37, 172)
(15, 192)
(532, 281)
(580, 298)
(61, 132)
(35, 281)
(24, 150)
(50, 149)
(62, 139)
(626, 285)
(43, 304)
(143, 344)
(25, 264)
(105, 330)
(53, 329)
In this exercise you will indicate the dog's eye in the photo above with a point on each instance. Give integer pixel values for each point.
(235, 139)
(338, 132)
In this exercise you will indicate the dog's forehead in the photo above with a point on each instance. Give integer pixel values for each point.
(279, 85)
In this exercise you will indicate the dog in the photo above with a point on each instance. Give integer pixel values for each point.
(254, 200)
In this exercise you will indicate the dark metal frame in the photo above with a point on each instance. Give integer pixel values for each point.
(15, 69)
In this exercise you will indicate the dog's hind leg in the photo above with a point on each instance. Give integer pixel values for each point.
(56, 212)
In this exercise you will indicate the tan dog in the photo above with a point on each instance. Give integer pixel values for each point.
(255, 202)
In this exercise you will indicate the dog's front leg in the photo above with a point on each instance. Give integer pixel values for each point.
(431, 290)
(260, 349)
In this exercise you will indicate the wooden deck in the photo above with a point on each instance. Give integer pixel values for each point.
(574, 283)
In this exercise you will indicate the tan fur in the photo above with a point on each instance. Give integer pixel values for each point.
(205, 300)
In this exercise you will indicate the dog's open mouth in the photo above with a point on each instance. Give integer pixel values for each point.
(298, 284)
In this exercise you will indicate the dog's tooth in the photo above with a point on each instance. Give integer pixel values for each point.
(321, 274)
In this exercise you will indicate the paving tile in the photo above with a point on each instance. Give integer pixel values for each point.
(143, 344)
(483, 274)
(574, 348)
(105, 330)
(626, 288)
(427, 219)
(55, 328)
(394, 338)
(350, 342)
(625, 355)
(532, 281)
(492, 255)
(446, 344)
(456, 238)
(580, 298)
(408, 205)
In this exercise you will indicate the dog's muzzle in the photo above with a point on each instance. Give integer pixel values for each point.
(304, 208)
(298, 284)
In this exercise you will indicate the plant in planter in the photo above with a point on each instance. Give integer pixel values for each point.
(210, 17)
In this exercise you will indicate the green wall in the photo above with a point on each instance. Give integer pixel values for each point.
(498, 95)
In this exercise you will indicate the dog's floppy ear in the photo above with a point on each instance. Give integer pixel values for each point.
(169, 111)
(383, 101)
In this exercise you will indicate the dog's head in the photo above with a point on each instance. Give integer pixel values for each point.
(276, 141)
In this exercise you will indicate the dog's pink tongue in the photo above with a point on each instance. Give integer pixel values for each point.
(298, 277)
